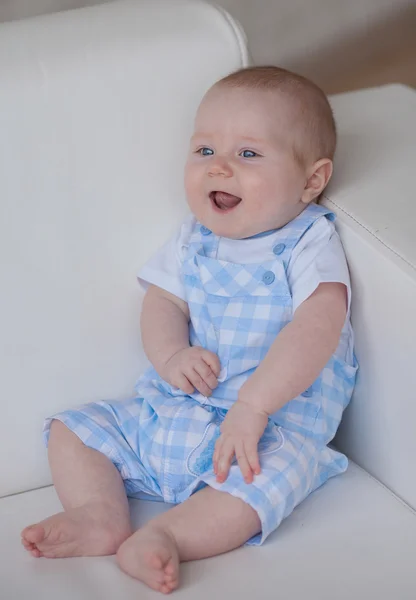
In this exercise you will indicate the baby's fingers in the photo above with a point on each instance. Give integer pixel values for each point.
(182, 382)
(212, 361)
(197, 381)
(243, 463)
(223, 459)
(215, 455)
(252, 455)
(205, 371)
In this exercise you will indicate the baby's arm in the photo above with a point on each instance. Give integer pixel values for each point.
(300, 352)
(294, 361)
(165, 336)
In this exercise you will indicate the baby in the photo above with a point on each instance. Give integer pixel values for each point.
(246, 324)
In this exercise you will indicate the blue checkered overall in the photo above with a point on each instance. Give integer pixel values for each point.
(162, 441)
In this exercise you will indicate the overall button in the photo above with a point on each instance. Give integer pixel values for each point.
(205, 230)
(278, 249)
(268, 277)
(307, 393)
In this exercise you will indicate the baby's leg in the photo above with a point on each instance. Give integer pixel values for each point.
(96, 518)
(208, 523)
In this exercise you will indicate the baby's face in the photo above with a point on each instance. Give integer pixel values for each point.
(241, 176)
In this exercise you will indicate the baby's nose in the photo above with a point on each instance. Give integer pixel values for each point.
(220, 167)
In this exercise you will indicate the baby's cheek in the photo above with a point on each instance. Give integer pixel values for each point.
(193, 181)
(258, 195)
(257, 187)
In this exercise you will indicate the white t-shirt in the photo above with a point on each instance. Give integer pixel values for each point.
(317, 258)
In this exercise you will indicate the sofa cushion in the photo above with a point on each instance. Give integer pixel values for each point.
(350, 540)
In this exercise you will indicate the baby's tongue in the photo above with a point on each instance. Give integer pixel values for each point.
(225, 200)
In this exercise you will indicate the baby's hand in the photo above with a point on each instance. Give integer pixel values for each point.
(193, 368)
(241, 431)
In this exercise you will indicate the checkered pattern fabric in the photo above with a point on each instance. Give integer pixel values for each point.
(162, 441)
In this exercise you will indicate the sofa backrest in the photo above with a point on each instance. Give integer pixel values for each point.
(96, 108)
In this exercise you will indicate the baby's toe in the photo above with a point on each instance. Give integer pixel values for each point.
(31, 548)
(170, 568)
(171, 581)
(33, 534)
(166, 589)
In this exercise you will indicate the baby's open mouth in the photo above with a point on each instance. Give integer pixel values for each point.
(223, 200)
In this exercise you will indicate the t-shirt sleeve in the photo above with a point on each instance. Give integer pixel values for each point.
(164, 268)
(318, 258)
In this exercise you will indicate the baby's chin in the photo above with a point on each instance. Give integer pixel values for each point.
(233, 231)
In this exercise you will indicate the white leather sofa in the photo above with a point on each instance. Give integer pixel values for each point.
(96, 106)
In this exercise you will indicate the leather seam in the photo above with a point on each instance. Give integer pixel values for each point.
(410, 264)
(239, 34)
(387, 489)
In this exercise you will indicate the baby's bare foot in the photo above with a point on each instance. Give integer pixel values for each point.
(151, 555)
(84, 531)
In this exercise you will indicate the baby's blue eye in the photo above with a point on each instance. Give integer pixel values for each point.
(205, 151)
(248, 154)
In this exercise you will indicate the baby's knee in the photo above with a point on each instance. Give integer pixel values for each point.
(60, 436)
(57, 427)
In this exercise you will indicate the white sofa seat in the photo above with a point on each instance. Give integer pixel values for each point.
(351, 539)
(96, 106)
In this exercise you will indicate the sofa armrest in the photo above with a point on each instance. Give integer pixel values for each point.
(372, 194)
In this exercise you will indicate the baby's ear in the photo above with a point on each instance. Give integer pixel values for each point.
(318, 176)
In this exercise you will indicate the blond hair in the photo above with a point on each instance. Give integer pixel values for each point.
(315, 130)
